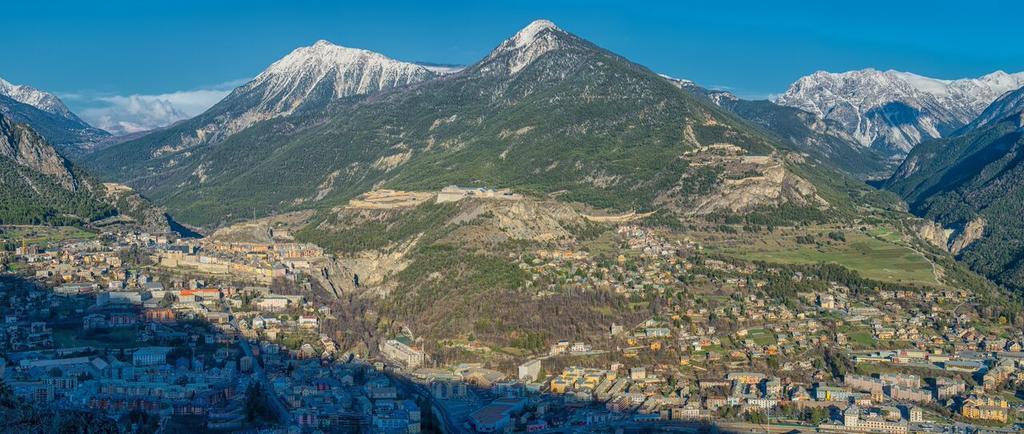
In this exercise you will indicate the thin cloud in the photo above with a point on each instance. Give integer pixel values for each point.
(125, 114)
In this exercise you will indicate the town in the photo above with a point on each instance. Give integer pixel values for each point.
(214, 335)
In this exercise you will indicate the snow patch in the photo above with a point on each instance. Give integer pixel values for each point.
(528, 34)
(894, 109)
(44, 101)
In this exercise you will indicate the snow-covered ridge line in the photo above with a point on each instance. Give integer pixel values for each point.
(351, 71)
(44, 101)
(896, 110)
(308, 77)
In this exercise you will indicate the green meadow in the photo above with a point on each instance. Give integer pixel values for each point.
(880, 257)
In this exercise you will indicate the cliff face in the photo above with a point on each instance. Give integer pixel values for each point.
(971, 233)
(23, 146)
(934, 234)
(39, 186)
(952, 240)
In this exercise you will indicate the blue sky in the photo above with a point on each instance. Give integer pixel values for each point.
(173, 58)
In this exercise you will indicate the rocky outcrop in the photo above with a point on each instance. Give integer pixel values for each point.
(21, 144)
(934, 234)
(134, 209)
(489, 222)
(373, 266)
(969, 234)
(774, 186)
(743, 182)
(951, 240)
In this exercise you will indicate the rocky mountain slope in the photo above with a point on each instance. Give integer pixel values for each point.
(309, 78)
(824, 140)
(36, 98)
(545, 112)
(973, 183)
(47, 115)
(894, 111)
(1005, 106)
(39, 186)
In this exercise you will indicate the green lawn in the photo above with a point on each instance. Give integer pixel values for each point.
(886, 234)
(761, 336)
(872, 257)
(862, 337)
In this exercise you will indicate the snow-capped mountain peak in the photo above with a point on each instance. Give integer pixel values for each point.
(529, 34)
(345, 71)
(895, 110)
(533, 41)
(1010, 103)
(44, 101)
(47, 115)
(308, 77)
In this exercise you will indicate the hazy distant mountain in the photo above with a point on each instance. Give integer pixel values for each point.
(47, 115)
(441, 68)
(894, 111)
(308, 78)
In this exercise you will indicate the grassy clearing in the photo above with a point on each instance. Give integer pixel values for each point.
(40, 235)
(862, 337)
(761, 336)
(874, 258)
(605, 244)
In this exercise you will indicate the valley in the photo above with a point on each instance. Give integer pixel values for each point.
(551, 238)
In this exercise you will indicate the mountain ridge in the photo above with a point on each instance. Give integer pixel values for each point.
(309, 77)
(893, 111)
(972, 183)
(823, 139)
(36, 98)
(1005, 106)
(47, 115)
(38, 185)
(544, 112)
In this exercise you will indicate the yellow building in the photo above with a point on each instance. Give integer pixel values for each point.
(986, 408)
(559, 386)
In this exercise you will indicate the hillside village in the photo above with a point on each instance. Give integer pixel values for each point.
(223, 335)
(548, 232)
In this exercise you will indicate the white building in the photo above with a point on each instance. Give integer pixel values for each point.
(273, 304)
(403, 353)
(530, 371)
(150, 356)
